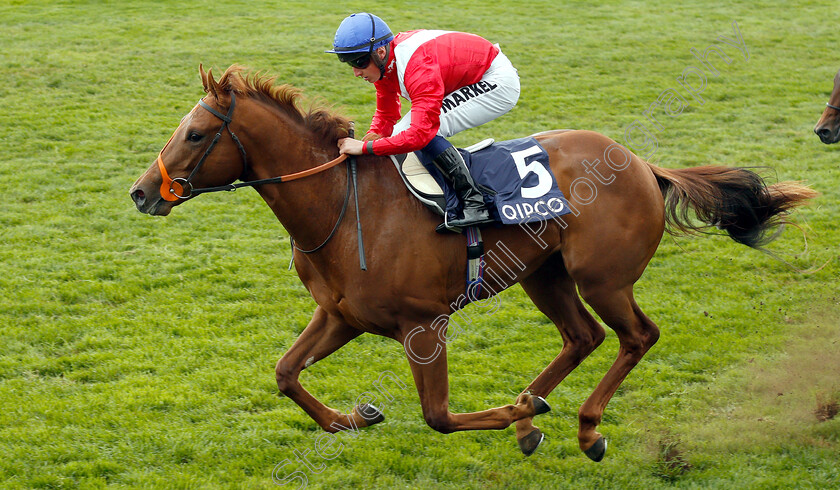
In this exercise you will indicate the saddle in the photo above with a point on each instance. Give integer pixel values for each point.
(421, 183)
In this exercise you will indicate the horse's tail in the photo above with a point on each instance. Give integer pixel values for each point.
(735, 200)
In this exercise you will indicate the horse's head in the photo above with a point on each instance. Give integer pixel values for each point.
(828, 127)
(204, 151)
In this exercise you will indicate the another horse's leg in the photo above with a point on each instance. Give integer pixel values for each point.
(323, 336)
(554, 293)
(427, 357)
(636, 334)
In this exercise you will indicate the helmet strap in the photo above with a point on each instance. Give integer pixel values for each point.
(380, 63)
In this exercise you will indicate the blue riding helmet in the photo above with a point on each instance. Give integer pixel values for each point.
(356, 39)
(359, 34)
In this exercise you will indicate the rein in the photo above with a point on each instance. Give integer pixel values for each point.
(272, 180)
(181, 188)
(337, 222)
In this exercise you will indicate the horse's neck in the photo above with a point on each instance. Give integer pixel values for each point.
(303, 206)
(309, 207)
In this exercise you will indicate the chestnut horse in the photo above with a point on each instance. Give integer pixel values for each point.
(828, 127)
(620, 202)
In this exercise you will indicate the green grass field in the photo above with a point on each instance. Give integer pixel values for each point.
(139, 352)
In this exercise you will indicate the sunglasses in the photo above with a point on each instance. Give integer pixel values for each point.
(355, 60)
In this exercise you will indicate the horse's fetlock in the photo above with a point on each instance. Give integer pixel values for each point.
(588, 420)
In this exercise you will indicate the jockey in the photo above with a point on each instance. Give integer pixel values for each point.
(454, 81)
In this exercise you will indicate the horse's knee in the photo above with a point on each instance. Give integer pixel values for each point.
(285, 375)
(440, 422)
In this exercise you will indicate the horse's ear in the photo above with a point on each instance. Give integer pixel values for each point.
(210, 85)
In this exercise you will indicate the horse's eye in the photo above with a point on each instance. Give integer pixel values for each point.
(195, 136)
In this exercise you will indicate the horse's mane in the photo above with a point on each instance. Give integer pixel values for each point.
(318, 119)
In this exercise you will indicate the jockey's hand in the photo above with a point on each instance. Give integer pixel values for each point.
(350, 146)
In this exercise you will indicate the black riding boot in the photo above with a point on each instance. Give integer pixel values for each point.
(452, 165)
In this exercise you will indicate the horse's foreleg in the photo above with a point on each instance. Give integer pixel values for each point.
(427, 358)
(636, 334)
(323, 336)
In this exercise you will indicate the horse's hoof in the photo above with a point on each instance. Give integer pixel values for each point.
(370, 413)
(540, 405)
(531, 442)
(596, 451)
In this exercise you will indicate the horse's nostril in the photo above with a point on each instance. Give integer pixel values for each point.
(138, 197)
(822, 132)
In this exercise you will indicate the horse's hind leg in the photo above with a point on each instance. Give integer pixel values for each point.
(554, 293)
(636, 334)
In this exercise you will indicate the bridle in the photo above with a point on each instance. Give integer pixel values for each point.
(833, 107)
(174, 189)
(182, 188)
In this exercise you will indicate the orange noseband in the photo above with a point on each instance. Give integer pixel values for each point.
(169, 189)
